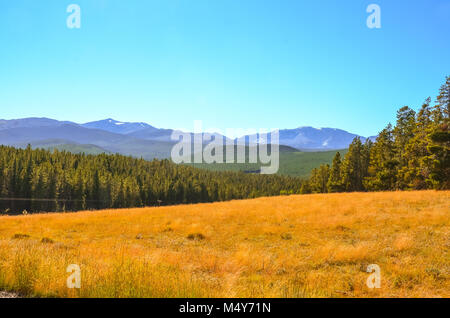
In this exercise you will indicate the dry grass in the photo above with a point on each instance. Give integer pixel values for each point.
(296, 246)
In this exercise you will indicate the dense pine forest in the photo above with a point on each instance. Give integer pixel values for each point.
(412, 155)
(40, 180)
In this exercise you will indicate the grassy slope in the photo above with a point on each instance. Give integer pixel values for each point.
(297, 164)
(297, 246)
(301, 163)
(87, 149)
(136, 148)
(61, 145)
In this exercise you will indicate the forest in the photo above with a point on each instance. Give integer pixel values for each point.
(44, 181)
(412, 155)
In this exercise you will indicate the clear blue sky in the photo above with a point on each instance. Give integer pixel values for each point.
(230, 63)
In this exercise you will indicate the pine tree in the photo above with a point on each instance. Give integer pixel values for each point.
(403, 133)
(382, 169)
(443, 99)
(319, 179)
(335, 181)
(440, 147)
(353, 167)
(440, 140)
(305, 188)
(417, 156)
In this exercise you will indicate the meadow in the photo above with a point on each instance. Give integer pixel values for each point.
(289, 246)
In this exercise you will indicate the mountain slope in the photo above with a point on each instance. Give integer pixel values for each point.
(292, 162)
(64, 145)
(31, 122)
(166, 135)
(78, 148)
(117, 127)
(152, 133)
(70, 133)
(309, 138)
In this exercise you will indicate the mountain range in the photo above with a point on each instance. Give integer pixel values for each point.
(141, 139)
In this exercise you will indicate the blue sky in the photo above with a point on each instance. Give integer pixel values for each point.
(229, 63)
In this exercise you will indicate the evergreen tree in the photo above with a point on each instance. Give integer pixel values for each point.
(335, 181)
(382, 170)
(319, 179)
(353, 167)
(403, 133)
(440, 166)
(443, 99)
(417, 157)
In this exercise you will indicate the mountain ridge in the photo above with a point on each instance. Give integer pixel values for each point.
(119, 127)
(142, 139)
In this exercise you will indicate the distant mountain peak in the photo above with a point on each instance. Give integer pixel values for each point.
(116, 126)
(323, 138)
(114, 122)
(32, 122)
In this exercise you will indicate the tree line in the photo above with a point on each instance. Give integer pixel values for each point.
(413, 154)
(37, 180)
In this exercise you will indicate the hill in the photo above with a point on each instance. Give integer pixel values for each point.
(292, 162)
(76, 148)
(290, 246)
(64, 145)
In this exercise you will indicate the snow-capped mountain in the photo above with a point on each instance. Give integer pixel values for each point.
(117, 127)
(310, 138)
(317, 138)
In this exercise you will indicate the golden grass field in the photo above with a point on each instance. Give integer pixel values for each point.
(289, 246)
